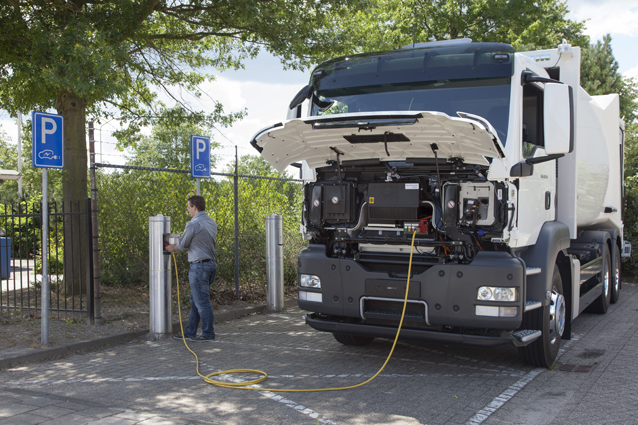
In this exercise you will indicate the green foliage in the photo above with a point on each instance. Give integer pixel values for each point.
(24, 231)
(168, 147)
(631, 196)
(524, 24)
(599, 75)
(115, 58)
(128, 198)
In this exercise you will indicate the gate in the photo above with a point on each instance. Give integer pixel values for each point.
(68, 255)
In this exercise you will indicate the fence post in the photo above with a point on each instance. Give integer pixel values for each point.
(236, 178)
(90, 317)
(97, 304)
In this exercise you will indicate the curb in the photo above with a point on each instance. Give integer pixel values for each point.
(120, 339)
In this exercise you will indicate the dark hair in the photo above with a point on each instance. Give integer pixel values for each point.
(198, 202)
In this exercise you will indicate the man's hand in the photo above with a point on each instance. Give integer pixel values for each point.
(172, 248)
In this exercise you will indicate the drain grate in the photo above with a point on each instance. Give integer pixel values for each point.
(582, 368)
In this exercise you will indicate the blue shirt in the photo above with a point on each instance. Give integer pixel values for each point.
(199, 238)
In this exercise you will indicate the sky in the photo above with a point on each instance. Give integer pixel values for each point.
(264, 89)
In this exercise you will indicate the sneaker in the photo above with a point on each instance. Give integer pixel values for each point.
(188, 338)
(203, 338)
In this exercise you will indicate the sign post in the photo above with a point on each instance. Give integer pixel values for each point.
(200, 158)
(48, 152)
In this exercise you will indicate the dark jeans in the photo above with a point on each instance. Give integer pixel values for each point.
(201, 276)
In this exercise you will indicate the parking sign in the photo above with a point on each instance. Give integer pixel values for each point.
(200, 157)
(48, 140)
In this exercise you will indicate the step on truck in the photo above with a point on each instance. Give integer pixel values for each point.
(510, 174)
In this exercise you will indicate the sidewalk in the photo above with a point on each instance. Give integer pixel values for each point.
(11, 357)
(20, 406)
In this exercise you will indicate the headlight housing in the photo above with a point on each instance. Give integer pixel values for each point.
(496, 293)
(309, 281)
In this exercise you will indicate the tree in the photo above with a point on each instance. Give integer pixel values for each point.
(8, 161)
(524, 24)
(108, 58)
(88, 56)
(168, 147)
(599, 75)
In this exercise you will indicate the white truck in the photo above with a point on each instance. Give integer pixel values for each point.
(509, 172)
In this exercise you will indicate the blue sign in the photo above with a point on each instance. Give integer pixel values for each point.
(48, 140)
(200, 157)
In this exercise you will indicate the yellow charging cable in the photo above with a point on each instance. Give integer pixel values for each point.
(245, 385)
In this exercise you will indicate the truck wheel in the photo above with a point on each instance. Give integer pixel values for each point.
(347, 339)
(550, 320)
(617, 277)
(601, 304)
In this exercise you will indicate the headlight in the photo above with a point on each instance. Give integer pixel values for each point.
(491, 293)
(309, 281)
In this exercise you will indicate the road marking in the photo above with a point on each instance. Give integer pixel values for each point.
(280, 399)
(297, 407)
(506, 395)
(503, 398)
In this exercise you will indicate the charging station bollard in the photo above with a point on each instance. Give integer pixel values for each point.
(275, 262)
(160, 320)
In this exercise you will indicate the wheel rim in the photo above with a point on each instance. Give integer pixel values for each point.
(606, 279)
(557, 316)
(616, 275)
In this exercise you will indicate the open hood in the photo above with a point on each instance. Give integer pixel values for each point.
(387, 136)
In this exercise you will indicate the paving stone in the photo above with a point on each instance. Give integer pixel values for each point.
(23, 419)
(52, 411)
(9, 408)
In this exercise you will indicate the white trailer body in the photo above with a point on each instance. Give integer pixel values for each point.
(508, 171)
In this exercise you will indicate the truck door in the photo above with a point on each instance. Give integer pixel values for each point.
(536, 203)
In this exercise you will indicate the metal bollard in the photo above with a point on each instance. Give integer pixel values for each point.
(275, 262)
(160, 320)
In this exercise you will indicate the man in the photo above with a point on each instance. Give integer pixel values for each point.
(199, 238)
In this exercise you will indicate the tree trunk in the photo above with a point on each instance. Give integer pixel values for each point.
(74, 191)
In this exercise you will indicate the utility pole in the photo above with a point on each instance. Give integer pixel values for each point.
(20, 154)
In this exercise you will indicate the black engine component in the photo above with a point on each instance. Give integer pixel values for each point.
(390, 202)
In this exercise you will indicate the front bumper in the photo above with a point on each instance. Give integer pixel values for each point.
(448, 291)
(336, 326)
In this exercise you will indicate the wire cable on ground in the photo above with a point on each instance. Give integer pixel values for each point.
(247, 384)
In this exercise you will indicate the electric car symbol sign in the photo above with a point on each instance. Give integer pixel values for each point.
(200, 157)
(48, 140)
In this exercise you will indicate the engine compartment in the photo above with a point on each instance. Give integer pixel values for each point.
(368, 210)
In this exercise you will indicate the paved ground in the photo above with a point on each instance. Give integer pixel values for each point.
(154, 382)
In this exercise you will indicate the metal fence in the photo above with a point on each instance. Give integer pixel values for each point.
(69, 265)
(127, 196)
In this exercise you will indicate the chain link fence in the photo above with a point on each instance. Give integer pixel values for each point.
(127, 196)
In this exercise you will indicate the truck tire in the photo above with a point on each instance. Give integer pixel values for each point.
(550, 320)
(347, 339)
(601, 304)
(617, 277)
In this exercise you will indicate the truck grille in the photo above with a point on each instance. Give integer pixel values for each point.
(377, 308)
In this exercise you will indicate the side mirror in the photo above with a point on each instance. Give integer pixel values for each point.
(302, 95)
(558, 119)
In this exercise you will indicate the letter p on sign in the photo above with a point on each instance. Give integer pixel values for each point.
(48, 129)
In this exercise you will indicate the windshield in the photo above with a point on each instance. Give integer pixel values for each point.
(473, 78)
